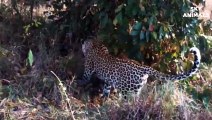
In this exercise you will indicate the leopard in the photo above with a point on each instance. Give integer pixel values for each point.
(126, 75)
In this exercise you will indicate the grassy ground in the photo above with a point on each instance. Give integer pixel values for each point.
(157, 102)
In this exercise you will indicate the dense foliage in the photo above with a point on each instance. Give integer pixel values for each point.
(144, 30)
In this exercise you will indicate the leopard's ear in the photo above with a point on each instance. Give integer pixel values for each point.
(82, 41)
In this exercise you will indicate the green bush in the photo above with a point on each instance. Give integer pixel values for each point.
(150, 31)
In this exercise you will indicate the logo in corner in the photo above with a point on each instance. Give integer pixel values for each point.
(194, 12)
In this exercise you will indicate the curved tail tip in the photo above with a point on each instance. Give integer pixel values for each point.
(196, 52)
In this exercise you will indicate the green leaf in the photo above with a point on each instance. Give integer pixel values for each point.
(136, 29)
(206, 102)
(134, 32)
(115, 21)
(203, 44)
(137, 26)
(154, 34)
(174, 55)
(151, 20)
(119, 8)
(26, 28)
(37, 24)
(142, 35)
(165, 28)
(161, 32)
(30, 57)
(119, 18)
(147, 36)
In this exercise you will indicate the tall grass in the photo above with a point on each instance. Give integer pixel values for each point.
(161, 101)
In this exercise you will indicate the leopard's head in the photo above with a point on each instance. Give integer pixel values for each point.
(87, 46)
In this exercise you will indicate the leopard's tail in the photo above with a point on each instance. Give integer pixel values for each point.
(182, 76)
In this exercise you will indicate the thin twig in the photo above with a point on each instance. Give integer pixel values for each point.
(63, 90)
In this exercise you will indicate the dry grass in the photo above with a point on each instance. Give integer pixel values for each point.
(161, 102)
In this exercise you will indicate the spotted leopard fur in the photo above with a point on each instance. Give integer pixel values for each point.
(125, 75)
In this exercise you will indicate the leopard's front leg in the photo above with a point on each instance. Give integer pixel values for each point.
(88, 72)
(106, 90)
